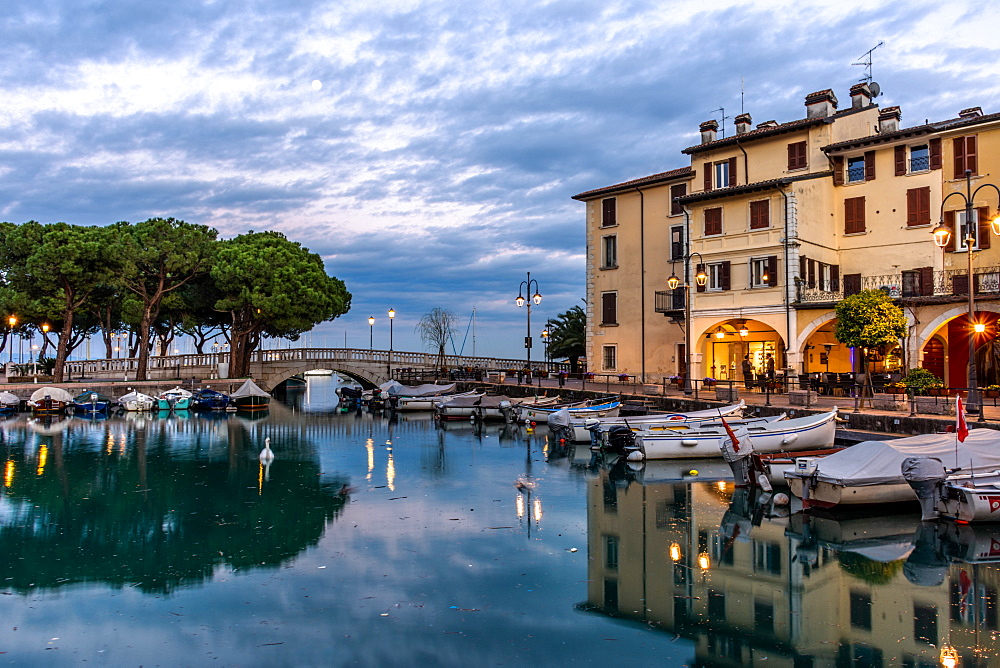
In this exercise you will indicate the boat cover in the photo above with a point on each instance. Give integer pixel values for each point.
(462, 401)
(880, 462)
(248, 389)
(54, 393)
(494, 401)
(135, 396)
(9, 398)
(395, 389)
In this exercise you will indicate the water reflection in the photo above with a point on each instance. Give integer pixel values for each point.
(152, 503)
(707, 562)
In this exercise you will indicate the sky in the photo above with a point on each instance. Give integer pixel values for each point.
(428, 151)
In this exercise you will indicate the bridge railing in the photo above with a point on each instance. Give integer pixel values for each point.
(174, 366)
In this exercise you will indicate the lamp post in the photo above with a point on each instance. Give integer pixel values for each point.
(392, 314)
(12, 321)
(45, 338)
(673, 282)
(545, 340)
(521, 301)
(371, 333)
(942, 234)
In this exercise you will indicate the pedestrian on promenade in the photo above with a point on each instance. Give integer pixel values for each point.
(747, 372)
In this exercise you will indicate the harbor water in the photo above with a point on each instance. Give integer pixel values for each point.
(375, 539)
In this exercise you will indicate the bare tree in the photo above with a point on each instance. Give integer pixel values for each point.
(436, 329)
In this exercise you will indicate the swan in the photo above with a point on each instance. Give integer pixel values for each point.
(266, 455)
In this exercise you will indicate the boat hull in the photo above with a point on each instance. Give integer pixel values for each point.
(823, 494)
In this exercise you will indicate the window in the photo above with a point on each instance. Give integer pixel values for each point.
(609, 358)
(713, 221)
(820, 275)
(677, 242)
(609, 308)
(965, 155)
(763, 271)
(854, 215)
(611, 553)
(918, 206)
(676, 191)
(920, 158)
(965, 230)
(855, 169)
(979, 229)
(763, 616)
(609, 252)
(925, 623)
(760, 214)
(609, 212)
(718, 276)
(717, 605)
(797, 155)
(861, 610)
(720, 174)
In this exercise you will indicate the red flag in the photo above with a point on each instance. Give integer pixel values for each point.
(732, 436)
(961, 428)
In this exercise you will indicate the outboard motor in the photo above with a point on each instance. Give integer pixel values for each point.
(620, 439)
(925, 476)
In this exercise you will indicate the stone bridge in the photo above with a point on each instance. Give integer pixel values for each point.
(269, 368)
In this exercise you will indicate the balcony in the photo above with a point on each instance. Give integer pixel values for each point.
(670, 303)
(916, 283)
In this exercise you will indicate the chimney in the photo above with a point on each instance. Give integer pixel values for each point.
(708, 130)
(742, 124)
(821, 104)
(767, 125)
(861, 96)
(971, 112)
(888, 120)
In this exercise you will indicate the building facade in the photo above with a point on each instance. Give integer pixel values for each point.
(784, 220)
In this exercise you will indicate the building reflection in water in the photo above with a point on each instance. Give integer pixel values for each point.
(750, 586)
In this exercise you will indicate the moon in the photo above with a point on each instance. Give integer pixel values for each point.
(317, 84)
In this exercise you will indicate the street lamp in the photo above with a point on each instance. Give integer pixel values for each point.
(942, 234)
(701, 278)
(521, 301)
(545, 340)
(12, 321)
(45, 338)
(392, 314)
(371, 333)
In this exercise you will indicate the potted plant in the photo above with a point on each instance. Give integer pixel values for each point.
(623, 377)
(920, 380)
(992, 391)
(589, 375)
(896, 388)
(709, 382)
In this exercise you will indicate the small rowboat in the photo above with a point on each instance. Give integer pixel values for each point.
(136, 401)
(49, 400)
(579, 430)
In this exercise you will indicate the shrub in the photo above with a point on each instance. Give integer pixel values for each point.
(920, 380)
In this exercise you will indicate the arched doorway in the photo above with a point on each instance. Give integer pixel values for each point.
(934, 357)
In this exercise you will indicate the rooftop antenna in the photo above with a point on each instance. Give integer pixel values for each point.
(722, 121)
(742, 110)
(866, 62)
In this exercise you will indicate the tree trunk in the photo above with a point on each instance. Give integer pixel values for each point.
(142, 370)
(62, 348)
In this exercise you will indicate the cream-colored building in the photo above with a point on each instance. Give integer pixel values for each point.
(786, 219)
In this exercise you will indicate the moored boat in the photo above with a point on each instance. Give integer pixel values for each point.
(579, 430)
(49, 400)
(207, 399)
(177, 399)
(870, 472)
(135, 401)
(459, 407)
(249, 397)
(960, 495)
(578, 411)
(92, 402)
(9, 403)
(810, 432)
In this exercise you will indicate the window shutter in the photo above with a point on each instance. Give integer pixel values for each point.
(970, 155)
(949, 221)
(926, 281)
(854, 215)
(838, 171)
(609, 212)
(708, 176)
(900, 160)
(677, 191)
(934, 145)
(983, 232)
(724, 275)
(960, 284)
(959, 146)
(732, 172)
(869, 165)
(609, 310)
(811, 277)
(697, 269)
(852, 284)
(924, 208)
(834, 277)
(772, 270)
(802, 268)
(911, 206)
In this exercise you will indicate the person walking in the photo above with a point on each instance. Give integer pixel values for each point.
(747, 372)
(770, 366)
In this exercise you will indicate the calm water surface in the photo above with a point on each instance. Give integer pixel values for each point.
(395, 542)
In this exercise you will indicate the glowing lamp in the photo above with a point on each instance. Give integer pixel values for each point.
(942, 235)
(371, 320)
(701, 278)
(519, 301)
(703, 561)
(675, 552)
(673, 282)
(720, 333)
(979, 327)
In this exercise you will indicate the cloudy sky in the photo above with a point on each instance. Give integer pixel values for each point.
(428, 150)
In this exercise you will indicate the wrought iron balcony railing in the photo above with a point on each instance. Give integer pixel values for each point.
(907, 284)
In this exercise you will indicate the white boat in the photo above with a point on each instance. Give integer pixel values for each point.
(423, 403)
(804, 433)
(963, 495)
(459, 406)
(177, 399)
(578, 429)
(137, 401)
(9, 402)
(581, 411)
(871, 472)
